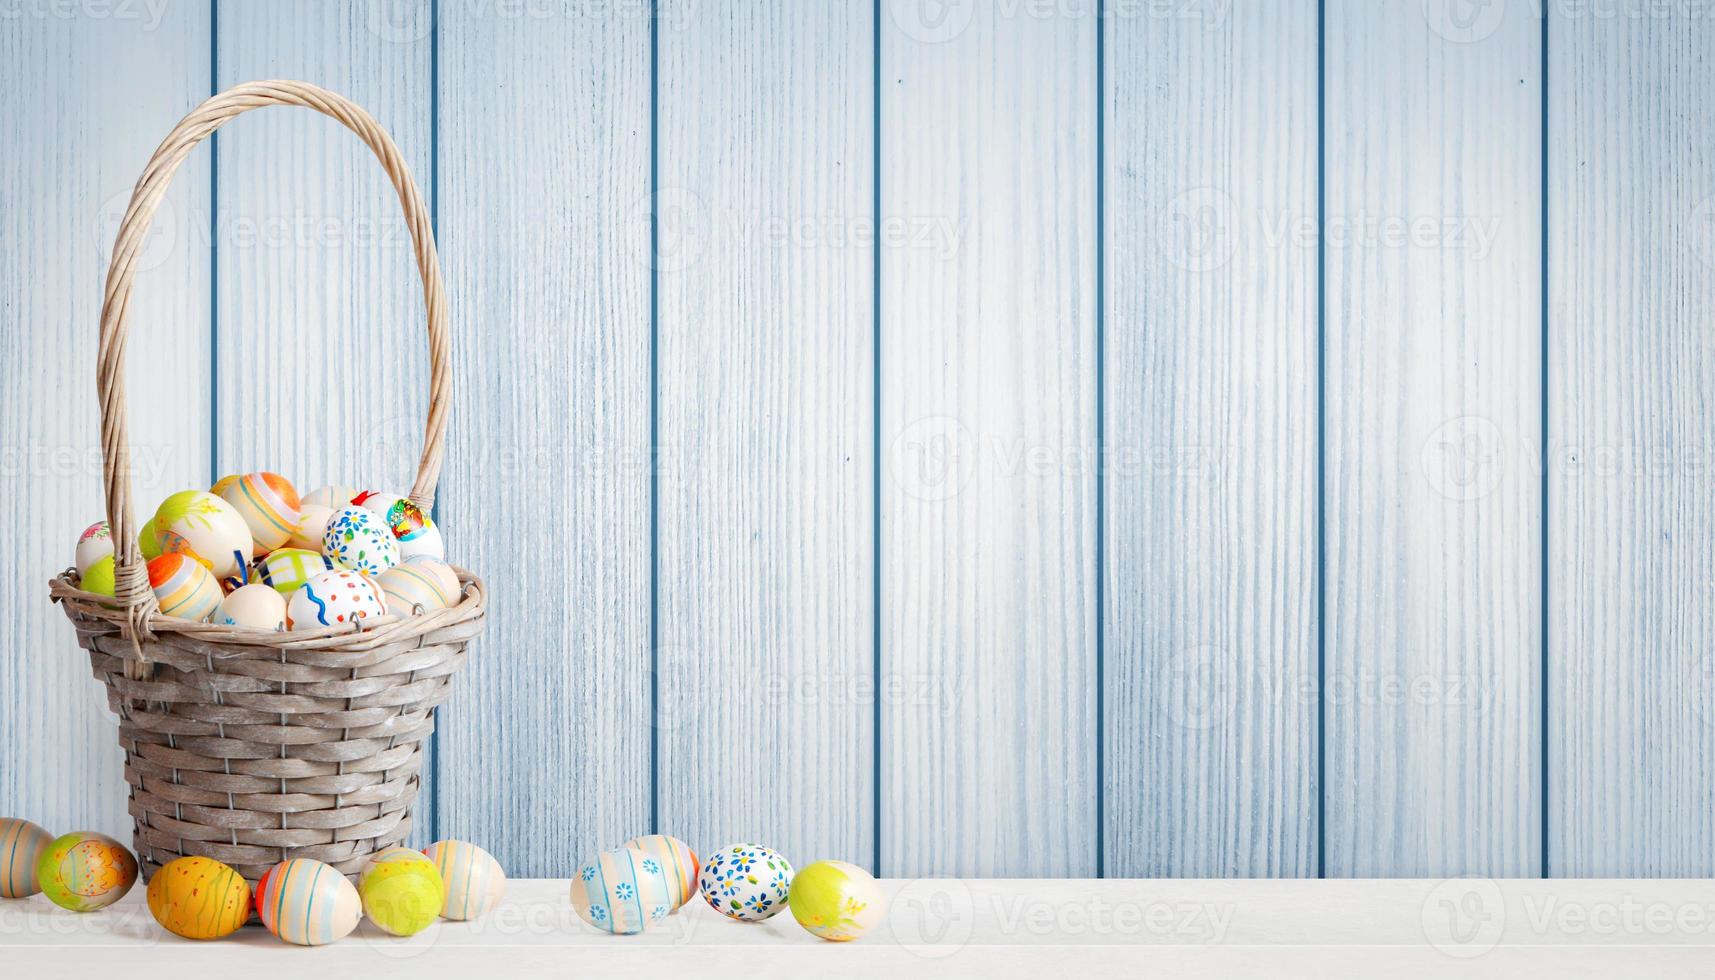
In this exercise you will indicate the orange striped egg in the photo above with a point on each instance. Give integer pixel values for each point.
(677, 858)
(308, 903)
(269, 506)
(427, 583)
(21, 846)
(184, 587)
(474, 880)
(199, 898)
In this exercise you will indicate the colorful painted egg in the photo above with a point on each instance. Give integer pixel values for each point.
(101, 577)
(677, 858)
(220, 485)
(746, 882)
(836, 901)
(334, 599)
(269, 506)
(307, 902)
(473, 879)
(85, 872)
(256, 605)
(429, 584)
(198, 898)
(621, 891)
(197, 523)
(356, 539)
(21, 846)
(286, 570)
(413, 529)
(402, 891)
(312, 524)
(149, 540)
(333, 498)
(93, 543)
(183, 587)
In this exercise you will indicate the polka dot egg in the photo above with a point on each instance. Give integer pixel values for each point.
(85, 872)
(746, 882)
(307, 902)
(621, 891)
(21, 846)
(335, 598)
(356, 539)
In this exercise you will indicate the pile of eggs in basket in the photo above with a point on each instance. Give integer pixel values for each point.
(250, 552)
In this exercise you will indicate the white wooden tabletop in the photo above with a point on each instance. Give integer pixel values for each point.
(989, 929)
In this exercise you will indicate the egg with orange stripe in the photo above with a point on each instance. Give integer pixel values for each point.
(425, 583)
(473, 879)
(679, 861)
(269, 505)
(184, 587)
(21, 846)
(198, 898)
(307, 902)
(85, 872)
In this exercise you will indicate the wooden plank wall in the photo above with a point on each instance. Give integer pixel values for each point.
(978, 439)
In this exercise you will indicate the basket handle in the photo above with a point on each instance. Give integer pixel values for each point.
(132, 579)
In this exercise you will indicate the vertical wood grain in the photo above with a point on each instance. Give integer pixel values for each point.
(1211, 442)
(544, 156)
(988, 426)
(1433, 407)
(1632, 384)
(766, 425)
(321, 340)
(88, 98)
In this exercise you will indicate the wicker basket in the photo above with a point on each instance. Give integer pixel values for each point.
(247, 746)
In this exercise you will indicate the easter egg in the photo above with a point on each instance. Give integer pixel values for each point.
(256, 605)
(220, 485)
(149, 540)
(21, 846)
(199, 524)
(84, 872)
(286, 570)
(402, 891)
(621, 891)
(836, 901)
(333, 498)
(473, 879)
(312, 524)
(356, 539)
(307, 902)
(100, 577)
(679, 861)
(335, 598)
(746, 882)
(413, 529)
(183, 587)
(95, 542)
(429, 584)
(269, 506)
(198, 898)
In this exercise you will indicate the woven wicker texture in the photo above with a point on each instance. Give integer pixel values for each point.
(247, 746)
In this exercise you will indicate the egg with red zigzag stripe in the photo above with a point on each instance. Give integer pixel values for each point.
(336, 598)
(307, 902)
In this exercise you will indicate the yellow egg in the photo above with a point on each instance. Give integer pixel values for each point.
(402, 891)
(199, 898)
(100, 577)
(836, 901)
(85, 872)
(149, 540)
(197, 523)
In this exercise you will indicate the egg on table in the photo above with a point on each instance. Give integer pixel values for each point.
(413, 529)
(836, 901)
(198, 523)
(427, 584)
(285, 571)
(621, 891)
(269, 506)
(473, 879)
(335, 598)
(256, 605)
(402, 891)
(307, 902)
(356, 539)
(679, 861)
(746, 882)
(95, 542)
(84, 872)
(183, 587)
(312, 525)
(198, 898)
(21, 847)
(331, 497)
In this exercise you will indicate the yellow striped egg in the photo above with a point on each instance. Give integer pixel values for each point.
(679, 861)
(197, 523)
(286, 570)
(198, 898)
(269, 505)
(427, 583)
(183, 587)
(21, 846)
(307, 902)
(473, 879)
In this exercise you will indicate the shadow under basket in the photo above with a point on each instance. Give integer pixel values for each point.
(251, 746)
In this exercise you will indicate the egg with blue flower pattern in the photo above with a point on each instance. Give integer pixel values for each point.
(622, 891)
(357, 539)
(747, 882)
(679, 861)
